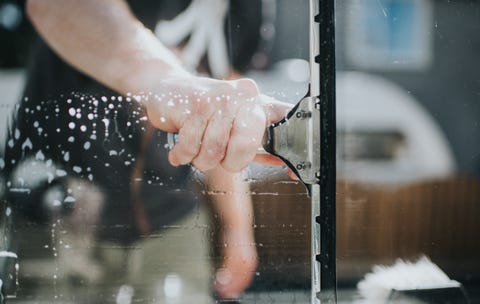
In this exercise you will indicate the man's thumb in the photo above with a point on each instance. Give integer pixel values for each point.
(274, 109)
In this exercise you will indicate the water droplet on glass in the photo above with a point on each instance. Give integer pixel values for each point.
(27, 144)
(69, 199)
(71, 125)
(77, 169)
(39, 156)
(17, 133)
(60, 172)
(72, 112)
(86, 146)
(106, 122)
(66, 157)
(83, 128)
(71, 139)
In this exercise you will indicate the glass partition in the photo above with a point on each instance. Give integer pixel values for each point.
(92, 210)
(407, 173)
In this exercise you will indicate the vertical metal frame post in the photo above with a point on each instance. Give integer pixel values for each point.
(322, 86)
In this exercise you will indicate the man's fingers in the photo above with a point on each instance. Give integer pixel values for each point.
(274, 109)
(215, 142)
(189, 141)
(245, 138)
(208, 137)
(268, 159)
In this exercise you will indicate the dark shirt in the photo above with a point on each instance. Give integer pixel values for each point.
(69, 120)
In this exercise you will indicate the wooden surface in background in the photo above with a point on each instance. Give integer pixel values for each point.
(375, 225)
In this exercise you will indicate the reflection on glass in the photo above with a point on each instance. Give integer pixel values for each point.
(407, 169)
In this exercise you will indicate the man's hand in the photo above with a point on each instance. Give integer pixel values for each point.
(218, 122)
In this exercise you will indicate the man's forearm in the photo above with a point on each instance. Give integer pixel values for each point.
(104, 40)
(233, 202)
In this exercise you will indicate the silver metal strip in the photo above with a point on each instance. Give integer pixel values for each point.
(315, 239)
(315, 189)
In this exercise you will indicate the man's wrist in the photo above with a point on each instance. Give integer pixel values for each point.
(146, 75)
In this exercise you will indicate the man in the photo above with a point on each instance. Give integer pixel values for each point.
(103, 46)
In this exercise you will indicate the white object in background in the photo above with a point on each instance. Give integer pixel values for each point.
(403, 275)
(32, 172)
(11, 85)
(8, 254)
(368, 103)
(203, 21)
(125, 294)
(287, 80)
(172, 288)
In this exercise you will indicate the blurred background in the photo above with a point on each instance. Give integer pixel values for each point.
(408, 159)
(408, 166)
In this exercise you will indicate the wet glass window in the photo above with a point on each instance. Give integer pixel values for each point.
(127, 129)
(407, 172)
(94, 210)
